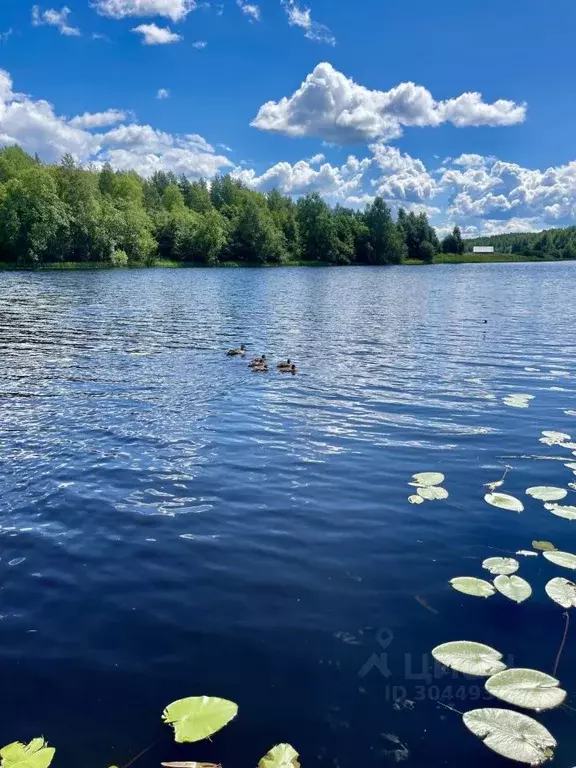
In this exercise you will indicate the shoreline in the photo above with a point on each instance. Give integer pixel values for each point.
(466, 258)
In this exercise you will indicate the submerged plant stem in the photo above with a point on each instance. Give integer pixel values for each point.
(140, 754)
(562, 644)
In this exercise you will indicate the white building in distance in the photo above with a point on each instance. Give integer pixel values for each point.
(483, 249)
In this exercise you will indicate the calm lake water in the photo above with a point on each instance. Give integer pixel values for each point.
(173, 524)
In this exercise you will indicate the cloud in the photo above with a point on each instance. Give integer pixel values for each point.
(315, 159)
(403, 177)
(249, 9)
(200, 44)
(163, 93)
(468, 160)
(98, 36)
(176, 10)
(154, 35)
(53, 18)
(99, 119)
(5, 35)
(34, 125)
(331, 106)
(301, 178)
(302, 17)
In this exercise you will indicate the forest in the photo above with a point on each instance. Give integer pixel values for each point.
(68, 214)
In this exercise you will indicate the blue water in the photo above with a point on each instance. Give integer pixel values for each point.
(172, 524)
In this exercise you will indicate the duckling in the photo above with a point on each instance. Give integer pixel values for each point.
(258, 361)
(284, 364)
(292, 369)
(241, 350)
(262, 368)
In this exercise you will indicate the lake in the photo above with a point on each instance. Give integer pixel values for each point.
(173, 524)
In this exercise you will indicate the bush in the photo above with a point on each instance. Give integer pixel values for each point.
(119, 259)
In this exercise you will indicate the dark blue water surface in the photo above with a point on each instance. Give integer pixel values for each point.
(172, 524)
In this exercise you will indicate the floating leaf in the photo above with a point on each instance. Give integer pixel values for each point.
(189, 764)
(36, 754)
(562, 592)
(526, 688)
(569, 513)
(513, 587)
(546, 493)
(570, 413)
(527, 553)
(433, 492)
(425, 479)
(198, 717)
(280, 756)
(497, 565)
(504, 501)
(415, 499)
(564, 559)
(469, 657)
(544, 546)
(571, 465)
(470, 585)
(572, 485)
(511, 734)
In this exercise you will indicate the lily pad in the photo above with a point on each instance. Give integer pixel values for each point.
(469, 657)
(570, 413)
(563, 559)
(424, 479)
(546, 493)
(526, 688)
(433, 492)
(501, 565)
(280, 756)
(415, 499)
(544, 546)
(470, 585)
(571, 465)
(36, 754)
(513, 587)
(504, 501)
(511, 734)
(198, 717)
(562, 592)
(569, 513)
(527, 553)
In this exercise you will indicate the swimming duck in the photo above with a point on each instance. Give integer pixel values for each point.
(241, 350)
(291, 369)
(262, 368)
(256, 361)
(284, 364)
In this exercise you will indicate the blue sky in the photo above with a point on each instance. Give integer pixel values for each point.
(463, 110)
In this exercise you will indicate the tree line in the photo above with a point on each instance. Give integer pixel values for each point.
(551, 243)
(63, 212)
(67, 213)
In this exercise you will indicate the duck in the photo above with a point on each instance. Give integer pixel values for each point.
(256, 361)
(261, 368)
(284, 364)
(241, 350)
(290, 369)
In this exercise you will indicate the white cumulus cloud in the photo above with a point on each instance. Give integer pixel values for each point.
(35, 126)
(99, 119)
(331, 106)
(53, 18)
(163, 93)
(155, 35)
(302, 17)
(176, 10)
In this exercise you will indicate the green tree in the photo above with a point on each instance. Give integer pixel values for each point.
(386, 244)
(33, 220)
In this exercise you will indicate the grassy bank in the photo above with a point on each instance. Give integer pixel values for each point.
(441, 258)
